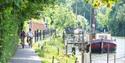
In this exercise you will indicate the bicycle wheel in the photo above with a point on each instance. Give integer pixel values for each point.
(30, 42)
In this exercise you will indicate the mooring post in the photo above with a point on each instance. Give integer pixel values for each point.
(108, 54)
(53, 59)
(114, 57)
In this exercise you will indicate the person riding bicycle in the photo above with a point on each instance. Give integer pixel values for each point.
(29, 37)
(22, 37)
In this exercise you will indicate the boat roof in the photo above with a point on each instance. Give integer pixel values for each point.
(103, 36)
(102, 40)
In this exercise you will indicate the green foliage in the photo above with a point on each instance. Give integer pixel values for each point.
(13, 13)
(59, 17)
(9, 35)
(83, 9)
(98, 3)
(117, 20)
(101, 21)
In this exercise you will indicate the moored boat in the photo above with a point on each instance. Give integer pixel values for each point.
(103, 44)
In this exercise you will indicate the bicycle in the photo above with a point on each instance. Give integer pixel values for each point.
(29, 41)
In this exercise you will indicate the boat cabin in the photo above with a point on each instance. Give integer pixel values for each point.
(103, 36)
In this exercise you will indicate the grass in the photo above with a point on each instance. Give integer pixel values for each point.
(50, 49)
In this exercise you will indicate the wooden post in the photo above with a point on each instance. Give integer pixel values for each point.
(83, 57)
(63, 37)
(66, 61)
(101, 46)
(53, 59)
(90, 53)
(115, 58)
(108, 54)
(76, 60)
(58, 51)
(66, 50)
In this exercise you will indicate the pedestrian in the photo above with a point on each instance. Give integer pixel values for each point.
(30, 38)
(37, 34)
(40, 33)
(22, 37)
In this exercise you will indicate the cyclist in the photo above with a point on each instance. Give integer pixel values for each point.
(22, 37)
(29, 37)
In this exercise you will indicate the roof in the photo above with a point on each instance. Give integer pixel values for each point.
(37, 26)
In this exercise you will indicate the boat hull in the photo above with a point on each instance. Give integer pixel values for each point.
(102, 46)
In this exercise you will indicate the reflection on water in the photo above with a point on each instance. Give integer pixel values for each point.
(120, 53)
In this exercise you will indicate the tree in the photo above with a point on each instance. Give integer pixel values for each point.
(12, 15)
(82, 8)
(58, 18)
(117, 19)
(102, 18)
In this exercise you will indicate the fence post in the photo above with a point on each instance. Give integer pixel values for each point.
(58, 51)
(66, 61)
(53, 59)
(66, 50)
(76, 60)
(63, 37)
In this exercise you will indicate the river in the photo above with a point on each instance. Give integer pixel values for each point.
(119, 55)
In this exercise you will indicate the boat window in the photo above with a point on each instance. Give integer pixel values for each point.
(102, 37)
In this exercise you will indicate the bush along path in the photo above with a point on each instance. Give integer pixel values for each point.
(25, 55)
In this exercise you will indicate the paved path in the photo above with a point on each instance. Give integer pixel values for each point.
(26, 55)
